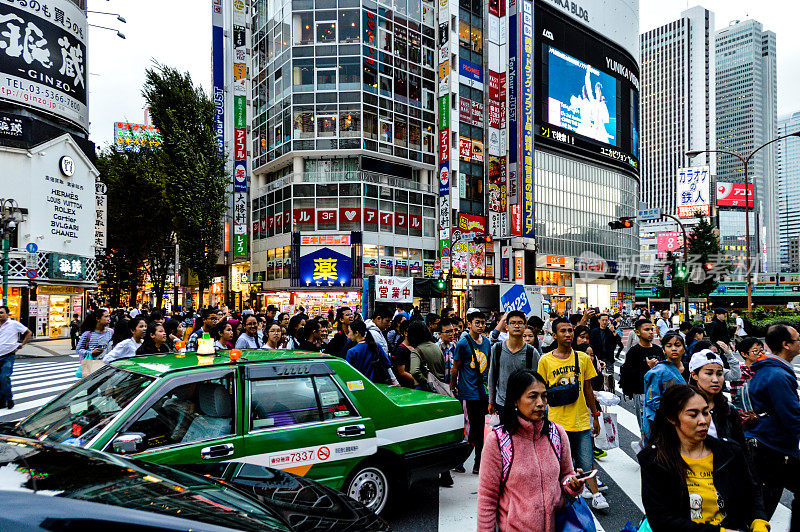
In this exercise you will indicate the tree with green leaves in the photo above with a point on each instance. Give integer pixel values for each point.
(193, 166)
(140, 222)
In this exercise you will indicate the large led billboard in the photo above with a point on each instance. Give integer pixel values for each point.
(587, 90)
(581, 98)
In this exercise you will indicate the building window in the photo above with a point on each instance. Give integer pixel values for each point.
(350, 124)
(326, 79)
(348, 26)
(386, 86)
(326, 126)
(385, 36)
(303, 75)
(400, 132)
(303, 124)
(386, 131)
(303, 24)
(414, 137)
(348, 73)
(326, 32)
(370, 76)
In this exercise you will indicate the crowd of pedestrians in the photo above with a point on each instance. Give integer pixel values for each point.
(719, 415)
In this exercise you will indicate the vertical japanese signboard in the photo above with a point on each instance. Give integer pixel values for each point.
(526, 84)
(240, 202)
(513, 106)
(218, 72)
(694, 189)
(444, 134)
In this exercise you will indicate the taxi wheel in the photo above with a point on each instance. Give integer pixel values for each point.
(369, 485)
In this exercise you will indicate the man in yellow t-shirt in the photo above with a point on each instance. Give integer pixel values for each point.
(579, 418)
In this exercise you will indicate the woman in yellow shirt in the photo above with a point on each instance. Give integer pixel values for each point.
(692, 481)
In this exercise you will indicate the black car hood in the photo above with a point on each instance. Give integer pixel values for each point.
(308, 505)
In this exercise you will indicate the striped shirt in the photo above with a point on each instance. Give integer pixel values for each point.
(90, 340)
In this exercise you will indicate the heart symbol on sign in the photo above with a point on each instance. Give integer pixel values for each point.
(350, 215)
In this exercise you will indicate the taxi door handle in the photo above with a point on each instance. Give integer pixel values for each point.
(216, 451)
(351, 431)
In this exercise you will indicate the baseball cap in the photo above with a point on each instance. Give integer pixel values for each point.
(271, 308)
(703, 358)
(720, 310)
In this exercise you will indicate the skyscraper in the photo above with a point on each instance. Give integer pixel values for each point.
(746, 94)
(787, 172)
(677, 102)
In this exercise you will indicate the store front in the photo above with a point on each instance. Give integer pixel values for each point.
(319, 302)
(557, 284)
(55, 306)
(14, 301)
(282, 300)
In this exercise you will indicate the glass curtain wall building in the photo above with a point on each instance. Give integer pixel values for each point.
(585, 124)
(746, 94)
(342, 144)
(788, 200)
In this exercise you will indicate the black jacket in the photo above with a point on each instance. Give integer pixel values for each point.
(604, 343)
(666, 497)
(717, 331)
(728, 423)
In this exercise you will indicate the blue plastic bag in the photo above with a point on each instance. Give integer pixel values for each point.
(575, 517)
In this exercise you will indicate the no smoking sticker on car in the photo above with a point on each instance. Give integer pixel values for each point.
(323, 453)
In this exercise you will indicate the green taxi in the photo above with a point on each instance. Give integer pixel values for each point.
(306, 413)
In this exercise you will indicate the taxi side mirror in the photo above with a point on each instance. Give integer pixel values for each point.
(130, 442)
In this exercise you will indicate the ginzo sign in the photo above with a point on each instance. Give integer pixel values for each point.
(43, 57)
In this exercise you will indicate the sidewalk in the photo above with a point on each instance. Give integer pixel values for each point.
(46, 348)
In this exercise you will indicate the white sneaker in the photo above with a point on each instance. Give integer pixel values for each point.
(600, 485)
(599, 502)
(586, 494)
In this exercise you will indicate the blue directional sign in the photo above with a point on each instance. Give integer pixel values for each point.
(31, 247)
(648, 214)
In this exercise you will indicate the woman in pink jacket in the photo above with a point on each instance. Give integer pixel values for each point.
(538, 463)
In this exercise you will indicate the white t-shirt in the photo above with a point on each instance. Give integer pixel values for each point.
(663, 326)
(740, 326)
(9, 335)
(124, 349)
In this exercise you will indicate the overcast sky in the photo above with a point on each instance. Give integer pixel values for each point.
(178, 33)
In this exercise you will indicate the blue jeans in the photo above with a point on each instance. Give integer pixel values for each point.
(6, 367)
(580, 443)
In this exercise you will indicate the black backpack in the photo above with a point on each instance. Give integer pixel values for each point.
(380, 373)
(748, 327)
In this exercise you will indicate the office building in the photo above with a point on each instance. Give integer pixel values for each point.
(787, 172)
(678, 103)
(746, 94)
(342, 148)
(573, 148)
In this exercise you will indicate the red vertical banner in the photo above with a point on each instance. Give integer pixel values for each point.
(240, 144)
(444, 145)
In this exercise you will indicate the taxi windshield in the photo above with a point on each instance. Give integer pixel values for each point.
(82, 412)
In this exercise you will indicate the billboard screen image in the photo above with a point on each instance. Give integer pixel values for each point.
(581, 98)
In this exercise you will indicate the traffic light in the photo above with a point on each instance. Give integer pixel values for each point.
(680, 272)
(623, 223)
(483, 239)
(708, 266)
(441, 284)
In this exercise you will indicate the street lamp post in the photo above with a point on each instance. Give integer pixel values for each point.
(685, 266)
(10, 216)
(746, 163)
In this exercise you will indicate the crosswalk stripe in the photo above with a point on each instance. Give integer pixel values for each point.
(9, 415)
(53, 375)
(51, 392)
(42, 368)
(69, 380)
